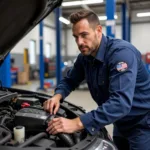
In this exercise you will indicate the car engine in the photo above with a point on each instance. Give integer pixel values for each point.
(23, 122)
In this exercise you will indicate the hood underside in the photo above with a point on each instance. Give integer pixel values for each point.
(18, 17)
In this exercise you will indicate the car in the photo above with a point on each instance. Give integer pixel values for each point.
(23, 121)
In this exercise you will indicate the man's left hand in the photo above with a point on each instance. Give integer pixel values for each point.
(63, 125)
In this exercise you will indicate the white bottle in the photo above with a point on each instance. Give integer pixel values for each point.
(19, 134)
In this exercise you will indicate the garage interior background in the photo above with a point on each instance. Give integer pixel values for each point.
(139, 33)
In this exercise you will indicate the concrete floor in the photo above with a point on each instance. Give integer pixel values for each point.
(77, 97)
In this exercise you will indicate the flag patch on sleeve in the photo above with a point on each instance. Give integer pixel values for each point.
(121, 66)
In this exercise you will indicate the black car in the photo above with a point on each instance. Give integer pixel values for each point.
(21, 111)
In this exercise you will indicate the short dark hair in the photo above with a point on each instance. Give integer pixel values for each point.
(84, 14)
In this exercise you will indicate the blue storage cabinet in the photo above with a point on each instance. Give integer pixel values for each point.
(14, 75)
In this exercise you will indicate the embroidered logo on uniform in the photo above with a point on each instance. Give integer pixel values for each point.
(122, 66)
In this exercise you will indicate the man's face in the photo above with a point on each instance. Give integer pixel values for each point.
(87, 37)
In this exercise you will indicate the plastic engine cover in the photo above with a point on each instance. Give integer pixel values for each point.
(32, 119)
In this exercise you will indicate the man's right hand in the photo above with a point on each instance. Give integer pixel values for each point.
(52, 105)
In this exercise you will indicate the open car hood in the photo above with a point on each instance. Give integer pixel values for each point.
(18, 17)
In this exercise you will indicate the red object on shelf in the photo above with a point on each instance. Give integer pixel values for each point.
(147, 59)
(14, 69)
(47, 85)
(14, 75)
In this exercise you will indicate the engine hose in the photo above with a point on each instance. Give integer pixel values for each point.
(76, 138)
(67, 139)
(33, 139)
(7, 137)
(4, 119)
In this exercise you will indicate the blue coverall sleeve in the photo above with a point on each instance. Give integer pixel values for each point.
(121, 92)
(74, 77)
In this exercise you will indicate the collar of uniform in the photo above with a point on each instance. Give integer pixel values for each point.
(102, 48)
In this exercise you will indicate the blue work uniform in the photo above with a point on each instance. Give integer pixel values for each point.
(120, 84)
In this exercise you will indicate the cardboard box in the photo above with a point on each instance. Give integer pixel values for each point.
(26, 67)
(23, 77)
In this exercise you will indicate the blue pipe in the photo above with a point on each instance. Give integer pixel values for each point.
(110, 12)
(129, 29)
(126, 23)
(58, 44)
(41, 63)
(124, 29)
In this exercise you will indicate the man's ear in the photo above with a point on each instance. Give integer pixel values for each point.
(99, 30)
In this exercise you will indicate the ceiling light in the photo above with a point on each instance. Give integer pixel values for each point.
(102, 18)
(84, 2)
(146, 14)
(64, 20)
(105, 17)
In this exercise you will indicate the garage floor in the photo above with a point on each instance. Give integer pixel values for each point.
(78, 97)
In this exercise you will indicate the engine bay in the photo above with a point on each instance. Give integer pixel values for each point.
(22, 116)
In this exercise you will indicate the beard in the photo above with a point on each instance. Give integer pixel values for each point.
(86, 50)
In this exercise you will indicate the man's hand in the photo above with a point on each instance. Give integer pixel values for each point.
(52, 105)
(63, 125)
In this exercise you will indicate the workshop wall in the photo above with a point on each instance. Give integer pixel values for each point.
(49, 32)
(24, 43)
(140, 36)
(49, 36)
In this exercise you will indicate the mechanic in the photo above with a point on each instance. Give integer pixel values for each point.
(118, 81)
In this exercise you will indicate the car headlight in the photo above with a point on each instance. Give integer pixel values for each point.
(101, 144)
